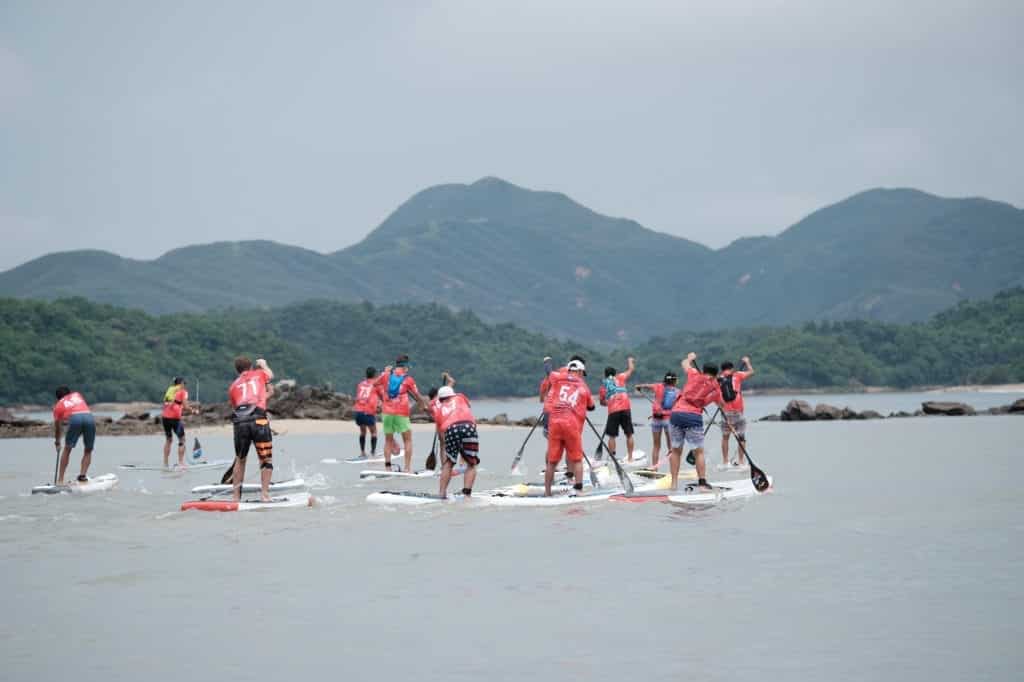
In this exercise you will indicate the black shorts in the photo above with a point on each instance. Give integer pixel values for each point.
(624, 419)
(460, 439)
(173, 426)
(254, 431)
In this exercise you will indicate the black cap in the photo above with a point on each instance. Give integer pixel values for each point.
(178, 380)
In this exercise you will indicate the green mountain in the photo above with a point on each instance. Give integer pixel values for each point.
(119, 354)
(542, 261)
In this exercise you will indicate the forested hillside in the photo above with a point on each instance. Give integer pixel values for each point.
(118, 354)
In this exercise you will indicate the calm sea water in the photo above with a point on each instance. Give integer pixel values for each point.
(888, 550)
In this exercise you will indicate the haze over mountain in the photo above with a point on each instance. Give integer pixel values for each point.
(543, 261)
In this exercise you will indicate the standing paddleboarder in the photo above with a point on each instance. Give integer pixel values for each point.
(615, 396)
(175, 402)
(396, 386)
(456, 422)
(687, 420)
(248, 397)
(661, 412)
(731, 383)
(569, 399)
(365, 409)
(71, 408)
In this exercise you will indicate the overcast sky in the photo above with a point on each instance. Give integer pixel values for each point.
(138, 127)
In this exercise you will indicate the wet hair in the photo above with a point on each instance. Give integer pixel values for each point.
(242, 364)
(727, 365)
(432, 393)
(371, 372)
(711, 369)
(670, 378)
(62, 391)
(609, 371)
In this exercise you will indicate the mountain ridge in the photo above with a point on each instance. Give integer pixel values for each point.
(542, 260)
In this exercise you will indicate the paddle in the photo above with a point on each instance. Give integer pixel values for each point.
(519, 455)
(197, 448)
(757, 477)
(431, 462)
(56, 464)
(623, 478)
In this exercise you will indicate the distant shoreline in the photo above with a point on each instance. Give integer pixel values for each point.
(138, 406)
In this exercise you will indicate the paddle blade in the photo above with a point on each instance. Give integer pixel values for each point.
(593, 478)
(758, 478)
(599, 451)
(431, 462)
(690, 459)
(197, 449)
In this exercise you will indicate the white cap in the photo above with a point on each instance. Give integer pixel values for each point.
(445, 392)
(576, 365)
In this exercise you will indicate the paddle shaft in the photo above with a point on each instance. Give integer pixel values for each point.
(623, 478)
(56, 465)
(519, 455)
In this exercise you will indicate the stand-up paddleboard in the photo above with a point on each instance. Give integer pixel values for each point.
(639, 459)
(195, 466)
(292, 501)
(384, 474)
(275, 487)
(653, 474)
(690, 494)
(93, 485)
(412, 498)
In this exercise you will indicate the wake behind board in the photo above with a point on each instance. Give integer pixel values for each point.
(93, 485)
(197, 466)
(292, 501)
(373, 459)
(275, 487)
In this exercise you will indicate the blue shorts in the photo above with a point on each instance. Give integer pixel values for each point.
(658, 424)
(81, 424)
(686, 428)
(364, 419)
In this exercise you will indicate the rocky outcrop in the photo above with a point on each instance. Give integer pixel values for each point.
(823, 411)
(1017, 407)
(947, 409)
(798, 411)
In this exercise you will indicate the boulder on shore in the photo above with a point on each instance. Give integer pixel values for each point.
(798, 411)
(1017, 407)
(948, 409)
(826, 412)
(870, 414)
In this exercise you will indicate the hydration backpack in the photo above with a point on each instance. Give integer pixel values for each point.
(668, 398)
(395, 384)
(611, 388)
(728, 390)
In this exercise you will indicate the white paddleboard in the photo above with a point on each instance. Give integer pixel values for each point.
(384, 474)
(556, 499)
(291, 501)
(730, 467)
(197, 466)
(275, 487)
(411, 498)
(93, 485)
(729, 490)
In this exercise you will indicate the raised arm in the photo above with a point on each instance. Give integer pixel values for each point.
(750, 368)
(688, 363)
(630, 366)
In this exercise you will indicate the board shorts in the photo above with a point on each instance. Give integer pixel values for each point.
(738, 422)
(173, 426)
(253, 430)
(460, 439)
(395, 423)
(659, 424)
(686, 428)
(365, 419)
(566, 438)
(623, 418)
(81, 425)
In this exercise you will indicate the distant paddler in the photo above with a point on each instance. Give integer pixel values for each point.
(367, 403)
(569, 401)
(248, 396)
(687, 421)
(661, 412)
(456, 422)
(71, 408)
(396, 385)
(175, 404)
